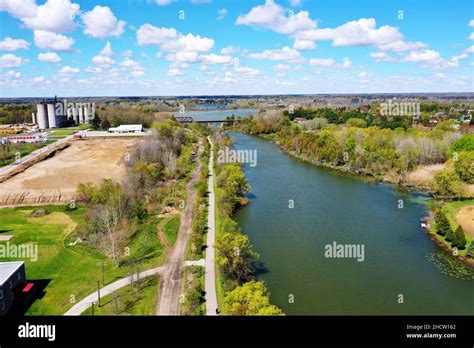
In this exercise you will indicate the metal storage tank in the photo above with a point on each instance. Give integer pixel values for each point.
(42, 116)
(75, 115)
(86, 114)
(52, 116)
(81, 114)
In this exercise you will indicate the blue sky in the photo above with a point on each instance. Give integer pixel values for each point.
(197, 47)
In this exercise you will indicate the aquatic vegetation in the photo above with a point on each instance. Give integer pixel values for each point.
(451, 265)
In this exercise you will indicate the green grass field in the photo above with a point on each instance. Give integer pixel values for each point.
(72, 271)
(129, 300)
(171, 229)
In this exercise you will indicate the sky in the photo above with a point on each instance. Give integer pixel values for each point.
(219, 47)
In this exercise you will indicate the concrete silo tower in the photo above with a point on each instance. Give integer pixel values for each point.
(42, 116)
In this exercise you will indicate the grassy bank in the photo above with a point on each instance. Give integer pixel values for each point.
(71, 272)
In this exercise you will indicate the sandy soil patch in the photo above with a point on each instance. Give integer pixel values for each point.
(424, 174)
(90, 160)
(465, 217)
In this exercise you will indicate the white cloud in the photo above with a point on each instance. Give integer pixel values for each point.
(423, 56)
(53, 15)
(381, 57)
(11, 61)
(129, 63)
(295, 3)
(281, 67)
(107, 50)
(284, 54)
(38, 79)
(228, 50)
(272, 16)
(364, 76)
(9, 44)
(470, 49)
(53, 41)
(101, 23)
(471, 36)
(471, 23)
(400, 45)
(438, 76)
(67, 70)
(103, 60)
(303, 45)
(138, 72)
(19, 8)
(189, 43)
(163, 2)
(51, 57)
(147, 34)
(13, 74)
(211, 59)
(221, 13)
(324, 62)
(362, 32)
(175, 72)
(346, 63)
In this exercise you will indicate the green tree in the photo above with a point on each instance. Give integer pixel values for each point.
(250, 299)
(442, 223)
(464, 166)
(459, 240)
(235, 256)
(465, 143)
(356, 122)
(470, 250)
(447, 183)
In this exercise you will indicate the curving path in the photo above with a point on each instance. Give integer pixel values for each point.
(85, 303)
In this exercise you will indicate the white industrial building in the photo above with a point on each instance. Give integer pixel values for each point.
(127, 128)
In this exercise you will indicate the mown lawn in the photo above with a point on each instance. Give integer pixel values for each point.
(72, 271)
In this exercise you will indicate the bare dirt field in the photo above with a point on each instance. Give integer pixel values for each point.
(424, 174)
(465, 217)
(55, 180)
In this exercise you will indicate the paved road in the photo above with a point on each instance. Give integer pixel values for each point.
(33, 154)
(170, 286)
(82, 305)
(210, 274)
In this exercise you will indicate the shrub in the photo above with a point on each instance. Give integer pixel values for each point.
(442, 223)
(459, 238)
(356, 122)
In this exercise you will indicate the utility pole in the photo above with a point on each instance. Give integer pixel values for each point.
(103, 264)
(98, 291)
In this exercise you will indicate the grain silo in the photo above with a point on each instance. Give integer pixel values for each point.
(52, 115)
(81, 114)
(86, 113)
(75, 115)
(42, 116)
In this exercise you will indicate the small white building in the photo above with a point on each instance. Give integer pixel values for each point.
(127, 128)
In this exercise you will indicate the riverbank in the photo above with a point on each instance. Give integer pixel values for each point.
(394, 180)
(290, 237)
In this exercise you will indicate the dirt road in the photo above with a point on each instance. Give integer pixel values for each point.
(170, 286)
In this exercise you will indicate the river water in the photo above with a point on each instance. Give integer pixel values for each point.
(395, 276)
